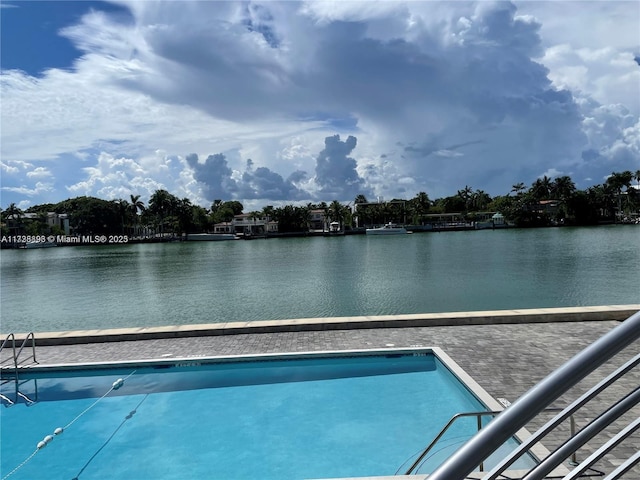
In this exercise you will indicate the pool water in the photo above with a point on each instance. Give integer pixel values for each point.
(346, 416)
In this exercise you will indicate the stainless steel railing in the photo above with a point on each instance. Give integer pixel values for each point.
(16, 353)
(10, 341)
(414, 468)
(515, 417)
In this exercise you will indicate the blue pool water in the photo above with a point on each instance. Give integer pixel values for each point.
(325, 417)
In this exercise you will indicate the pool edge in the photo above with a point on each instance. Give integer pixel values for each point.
(491, 317)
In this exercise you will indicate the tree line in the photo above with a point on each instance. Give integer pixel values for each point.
(612, 201)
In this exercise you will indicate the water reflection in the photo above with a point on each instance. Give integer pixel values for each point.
(203, 282)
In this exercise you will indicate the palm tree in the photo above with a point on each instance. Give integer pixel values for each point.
(136, 206)
(336, 213)
(465, 195)
(616, 181)
(360, 208)
(325, 213)
(161, 205)
(419, 206)
(268, 213)
(184, 212)
(563, 189)
(255, 216)
(518, 189)
(541, 188)
(13, 215)
(124, 210)
(480, 200)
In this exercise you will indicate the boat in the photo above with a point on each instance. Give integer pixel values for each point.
(388, 229)
(334, 230)
(208, 237)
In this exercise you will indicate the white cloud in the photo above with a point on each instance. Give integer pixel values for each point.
(39, 172)
(436, 94)
(38, 189)
(9, 168)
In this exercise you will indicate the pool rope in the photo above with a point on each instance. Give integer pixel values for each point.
(59, 430)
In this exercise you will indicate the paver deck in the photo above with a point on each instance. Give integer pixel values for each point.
(506, 360)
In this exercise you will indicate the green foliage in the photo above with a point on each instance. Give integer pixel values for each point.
(545, 202)
(225, 211)
(292, 219)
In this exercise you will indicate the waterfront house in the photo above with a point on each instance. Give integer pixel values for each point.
(248, 224)
(224, 227)
(317, 220)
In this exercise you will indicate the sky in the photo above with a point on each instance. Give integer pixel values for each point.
(273, 103)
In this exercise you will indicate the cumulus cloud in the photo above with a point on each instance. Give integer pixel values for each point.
(39, 172)
(118, 177)
(336, 173)
(438, 94)
(262, 183)
(38, 189)
(219, 181)
(216, 176)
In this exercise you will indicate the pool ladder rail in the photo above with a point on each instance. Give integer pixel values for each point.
(466, 462)
(9, 374)
(424, 455)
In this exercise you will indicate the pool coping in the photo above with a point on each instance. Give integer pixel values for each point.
(489, 317)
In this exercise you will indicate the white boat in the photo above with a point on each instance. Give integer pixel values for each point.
(209, 237)
(388, 229)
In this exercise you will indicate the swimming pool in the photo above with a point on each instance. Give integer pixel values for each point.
(328, 415)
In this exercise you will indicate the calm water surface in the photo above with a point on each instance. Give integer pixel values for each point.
(90, 287)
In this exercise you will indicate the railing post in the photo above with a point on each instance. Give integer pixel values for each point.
(572, 424)
(505, 425)
(479, 420)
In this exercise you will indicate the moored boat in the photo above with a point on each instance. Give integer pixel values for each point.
(208, 237)
(388, 229)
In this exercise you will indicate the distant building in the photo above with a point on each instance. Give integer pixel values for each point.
(60, 221)
(52, 219)
(317, 220)
(247, 224)
(224, 227)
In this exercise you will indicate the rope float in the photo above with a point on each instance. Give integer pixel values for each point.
(59, 430)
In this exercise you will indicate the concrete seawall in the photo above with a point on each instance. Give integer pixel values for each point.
(493, 317)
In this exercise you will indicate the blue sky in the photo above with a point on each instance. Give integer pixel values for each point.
(279, 102)
(30, 33)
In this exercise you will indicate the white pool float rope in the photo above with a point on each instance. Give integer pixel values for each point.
(59, 430)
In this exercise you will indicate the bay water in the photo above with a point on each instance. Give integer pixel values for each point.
(138, 285)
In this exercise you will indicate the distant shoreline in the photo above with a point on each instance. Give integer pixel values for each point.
(43, 241)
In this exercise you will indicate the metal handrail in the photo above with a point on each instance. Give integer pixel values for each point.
(452, 420)
(587, 433)
(562, 416)
(624, 468)
(603, 450)
(515, 417)
(444, 430)
(33, 347)
(16, 355)
(4, 344)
